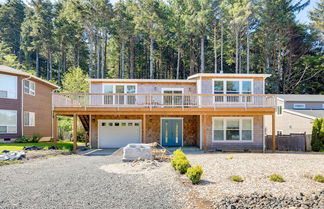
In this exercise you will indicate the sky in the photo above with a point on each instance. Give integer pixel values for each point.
(302, 16)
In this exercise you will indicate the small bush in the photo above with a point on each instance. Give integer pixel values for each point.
(182, 165)
(276, 178)
(194, 174)
(236, 178)
(35, 138)
(230, 157)
(22, 139)
(178, 154)
(319, 178)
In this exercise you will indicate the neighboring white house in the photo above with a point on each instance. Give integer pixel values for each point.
(296, 113)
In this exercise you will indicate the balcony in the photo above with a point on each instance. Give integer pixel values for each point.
(151, 101)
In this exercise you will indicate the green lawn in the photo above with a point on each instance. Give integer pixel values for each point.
(19, 146)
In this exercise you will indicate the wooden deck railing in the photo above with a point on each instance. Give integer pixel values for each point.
(163, 100)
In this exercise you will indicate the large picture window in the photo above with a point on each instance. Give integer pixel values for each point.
(233, 129)
(8, 86)
(8, 121)
(232, 87)
(29, 87)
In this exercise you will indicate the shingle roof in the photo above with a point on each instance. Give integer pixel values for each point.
(309, 113)
(9, 70)
(301, 97)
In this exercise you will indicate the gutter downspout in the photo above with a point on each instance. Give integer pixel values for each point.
(22, 104)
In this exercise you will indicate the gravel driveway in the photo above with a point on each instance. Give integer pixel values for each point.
(86, 182)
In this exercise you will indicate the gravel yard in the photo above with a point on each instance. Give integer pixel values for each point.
(296, 169)
(88, 182)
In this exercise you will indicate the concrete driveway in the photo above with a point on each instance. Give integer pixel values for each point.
(98, 152)
(78, 181)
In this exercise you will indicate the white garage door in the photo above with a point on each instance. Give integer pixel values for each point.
(119, 133)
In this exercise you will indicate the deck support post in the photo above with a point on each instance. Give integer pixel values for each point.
(144, 129)
(204, 132)
(74, 134)
(55, 130)
(273, 132)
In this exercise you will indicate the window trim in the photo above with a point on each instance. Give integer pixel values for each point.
(114, 91)
(11, 125)
(30, 124)
(16, 86)
(240, 130)
(295, 104)
(29, 92)
(171, 89)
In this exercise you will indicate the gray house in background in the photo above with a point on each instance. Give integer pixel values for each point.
(296, 113)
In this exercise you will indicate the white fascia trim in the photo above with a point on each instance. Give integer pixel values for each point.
(299, 114)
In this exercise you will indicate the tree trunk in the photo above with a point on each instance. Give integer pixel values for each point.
(98, 57)
(122, 58)
(215, 48)
(50, 66)
(47, 66)
(248, 49)
(90, 59)
(236, 51)
(178, 64)
(192, 57)
(132, 57)
(240, 60)
(222, 48)
(59, 71)
(37, 63)
(151, 58)
(102, 57)
(202, 54)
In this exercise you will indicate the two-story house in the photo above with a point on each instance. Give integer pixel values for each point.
(210, 111)
(25, 105)
(296, 113)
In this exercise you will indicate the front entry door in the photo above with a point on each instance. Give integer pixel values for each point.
(172, 132)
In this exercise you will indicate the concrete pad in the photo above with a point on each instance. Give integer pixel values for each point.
(98, 152)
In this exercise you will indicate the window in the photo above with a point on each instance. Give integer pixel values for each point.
(122, 90)
(232, 87)
(279, 110)
(8, 86)
(279, 132)
(173, 96)
(299, 106)
(322, 106)
(232, 129)
(8, 121)
(29, 87)
(29, 119)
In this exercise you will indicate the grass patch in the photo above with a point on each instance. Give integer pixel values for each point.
(67, 146)
(10, 162)
(319, 178)
(276, 178)
(236, 178)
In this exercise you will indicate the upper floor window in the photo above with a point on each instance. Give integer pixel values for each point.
(117, 93)
(29, 87)
(8, 86)
(8, 121)
(279, 110)
(232, 87)
(299, 106)
(29, 119)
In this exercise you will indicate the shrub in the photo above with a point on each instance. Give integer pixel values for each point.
(22, 139)
(35, 138)
(230, 157)
(319, 178)
(276, 178)
(236, 178)
(178, 154)
(317, 134)
(194, 174)
(182, 165)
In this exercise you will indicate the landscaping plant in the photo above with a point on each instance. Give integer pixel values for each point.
(230, 157)
(182, 165)
(236, 178)
(177, 155)
(319, 178)
(194, 174)
(276, 178)
(317, 134)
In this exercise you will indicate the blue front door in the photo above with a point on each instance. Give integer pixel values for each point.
(172, 132)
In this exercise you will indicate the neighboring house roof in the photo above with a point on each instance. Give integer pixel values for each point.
(301, 98)
(138, 81)
(312, 114)
(230, 75)
(9, 70)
